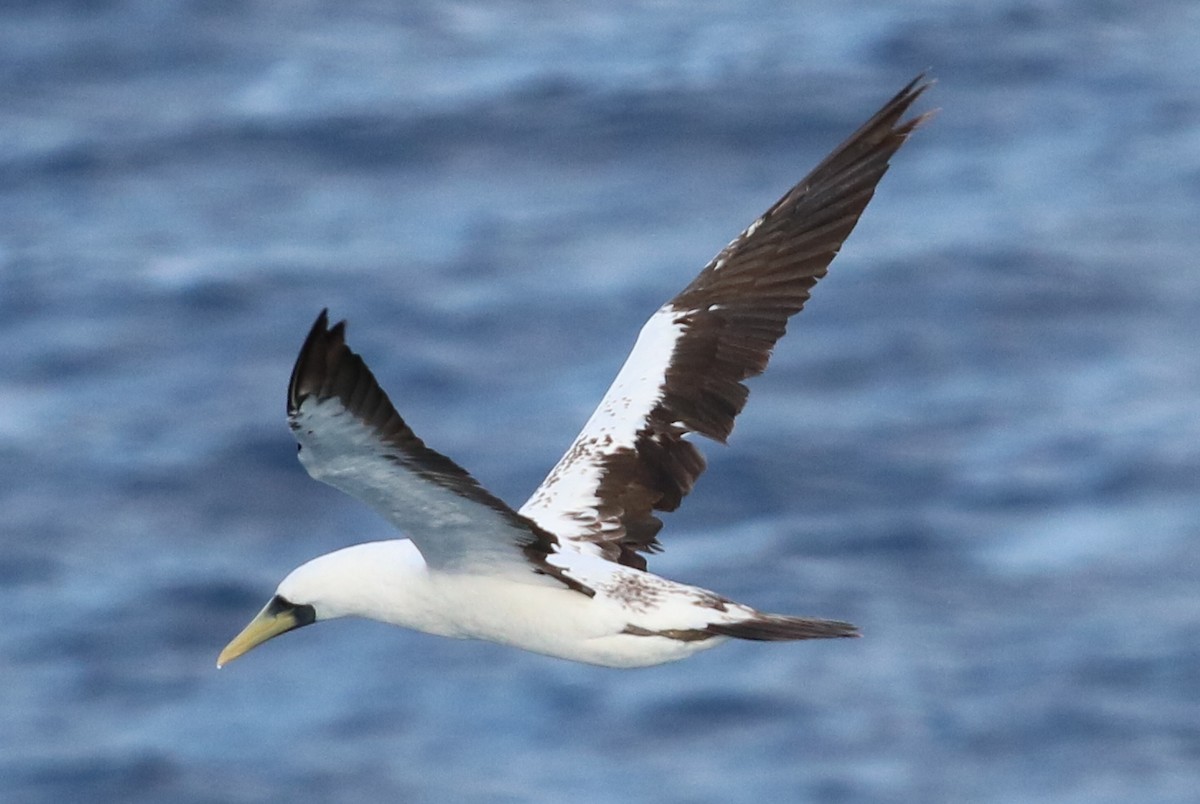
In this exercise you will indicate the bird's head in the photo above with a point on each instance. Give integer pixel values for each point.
(366, 580)
(309, 593)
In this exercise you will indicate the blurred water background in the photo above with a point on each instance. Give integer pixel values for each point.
(981, 442)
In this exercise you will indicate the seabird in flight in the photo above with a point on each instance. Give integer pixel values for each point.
(565, 575)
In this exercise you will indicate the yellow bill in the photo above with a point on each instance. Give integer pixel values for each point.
(277, 617)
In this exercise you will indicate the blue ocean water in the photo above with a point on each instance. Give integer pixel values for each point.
(980, 442)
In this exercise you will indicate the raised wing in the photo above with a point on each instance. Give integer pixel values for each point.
(353, 439)
(685, 373)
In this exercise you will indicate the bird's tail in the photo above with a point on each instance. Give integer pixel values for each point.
(780, 628)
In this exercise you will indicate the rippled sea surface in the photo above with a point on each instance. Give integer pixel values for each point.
(980, 442)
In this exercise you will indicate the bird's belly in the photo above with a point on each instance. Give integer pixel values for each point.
(553, 621)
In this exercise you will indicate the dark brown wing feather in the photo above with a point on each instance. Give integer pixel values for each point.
(764, 277)
(731, 316)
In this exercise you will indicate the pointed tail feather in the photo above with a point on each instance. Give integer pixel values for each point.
(779, 628)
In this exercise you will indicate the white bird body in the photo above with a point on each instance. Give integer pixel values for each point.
(388, 581)
(566, 574)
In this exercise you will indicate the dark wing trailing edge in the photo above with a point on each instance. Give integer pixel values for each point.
(352, 438)
(687, 370)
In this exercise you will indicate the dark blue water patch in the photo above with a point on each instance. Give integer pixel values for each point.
(835, 790)
(36, 538)
(1122, 674)
(253, 480)
(346, 142)
(568, 123)
(58, 364)
(122, 324)
(201, 600)
(377, 722)
(21, 568)
(263, 455)
(1048, 722)
(213, 299)
(118, 777)
(994, 289)
(107, 643)
(1011, 43)
(110, 42)
(707, 717)
(23, 294)
(1083, 469)
(568, 700)
(65, 11)
(369, 783)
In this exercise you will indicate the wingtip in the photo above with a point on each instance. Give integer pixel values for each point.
(919, 84)
(321, 325)
(319, 342)
(336, 334)
(906, 97)
(915, 89)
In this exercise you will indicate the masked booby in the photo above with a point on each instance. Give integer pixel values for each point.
(565, 575)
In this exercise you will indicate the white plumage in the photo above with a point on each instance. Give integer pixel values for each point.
(566, 574)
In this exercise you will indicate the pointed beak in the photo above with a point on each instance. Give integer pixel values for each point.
(277, 617)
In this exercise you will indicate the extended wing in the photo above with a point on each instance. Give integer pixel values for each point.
(353, 439)
(686, 371)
